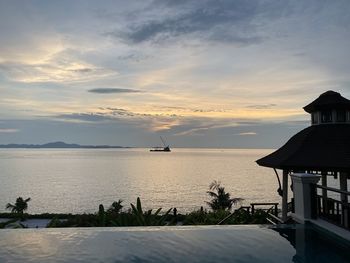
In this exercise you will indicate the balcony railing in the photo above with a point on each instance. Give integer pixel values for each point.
(332, 210)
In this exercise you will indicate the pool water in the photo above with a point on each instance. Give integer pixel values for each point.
(292, 243)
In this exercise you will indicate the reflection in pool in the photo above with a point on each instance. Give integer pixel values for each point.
(291, 243)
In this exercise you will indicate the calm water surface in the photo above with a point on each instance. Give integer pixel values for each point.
(243, 244)
(78, 180)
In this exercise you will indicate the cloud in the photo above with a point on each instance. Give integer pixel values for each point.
(142, 122)
(113, 90)
(56, 70)
(104, 115)
(247, 134)
(223, 21)
(261, 106)
(2, 130)
(201, 126)
(146, 121)
(194, 131)
(82, 70)
(83, 117)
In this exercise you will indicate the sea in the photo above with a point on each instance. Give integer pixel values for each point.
(78, 180)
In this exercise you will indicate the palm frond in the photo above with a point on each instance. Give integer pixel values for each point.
(214, 185)
(221, 200)
(236, 200)
(212, 194)
(10, 206)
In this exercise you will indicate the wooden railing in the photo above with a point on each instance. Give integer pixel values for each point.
(274, 220)
(272, 210)
(270, 205)
(332, 210)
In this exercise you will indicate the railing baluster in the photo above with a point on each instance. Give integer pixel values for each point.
(338, 212)
(318, 205)
(348, 218)
(334, 211)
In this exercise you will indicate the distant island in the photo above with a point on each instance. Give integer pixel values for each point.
(59, 145)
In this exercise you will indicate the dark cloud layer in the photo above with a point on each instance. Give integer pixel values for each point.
(223, 20)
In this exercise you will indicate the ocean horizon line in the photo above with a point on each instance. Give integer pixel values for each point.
(63, 145)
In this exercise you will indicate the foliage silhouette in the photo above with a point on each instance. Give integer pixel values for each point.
(220, 199)
(147, 218)
(220, 204)
(114, 217)
(19, 207)
(116, 207)
(101, 215)
(239, 217)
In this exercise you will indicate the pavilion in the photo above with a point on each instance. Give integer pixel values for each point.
(322, 150)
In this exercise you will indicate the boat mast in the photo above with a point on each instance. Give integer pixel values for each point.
(163, 141)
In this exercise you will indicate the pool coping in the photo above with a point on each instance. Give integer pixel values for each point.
(336, 230)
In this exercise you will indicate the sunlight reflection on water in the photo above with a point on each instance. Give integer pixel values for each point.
(290, 243)
(79, 180)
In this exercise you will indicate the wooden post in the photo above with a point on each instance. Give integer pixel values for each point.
(285, 196)
(313, 201)
(276, 209)
(344, 198)
(324, 193)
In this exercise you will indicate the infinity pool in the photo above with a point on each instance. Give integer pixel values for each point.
(294, 243)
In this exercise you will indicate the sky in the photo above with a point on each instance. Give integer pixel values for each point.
(201, 73)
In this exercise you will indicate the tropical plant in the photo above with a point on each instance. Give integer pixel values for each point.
(116, 207)
(220, 199)
(147, 218)
(101, 215)
(200, 217)
(19, 207)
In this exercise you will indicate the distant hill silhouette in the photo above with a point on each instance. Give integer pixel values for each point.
(59, 145)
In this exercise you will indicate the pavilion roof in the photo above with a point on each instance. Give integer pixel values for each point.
(316, 148)
(327, 101)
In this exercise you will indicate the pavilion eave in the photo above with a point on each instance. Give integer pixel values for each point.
(316, 148)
